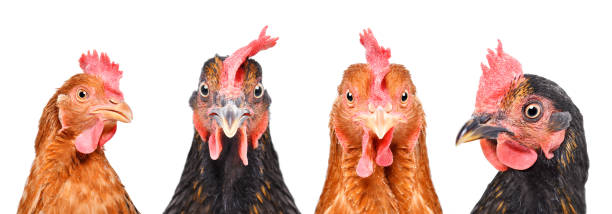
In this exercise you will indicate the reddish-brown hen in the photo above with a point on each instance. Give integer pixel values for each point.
(378, 159)
(70, 173)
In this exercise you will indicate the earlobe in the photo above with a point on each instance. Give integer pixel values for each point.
(197, 123)
(559, 121)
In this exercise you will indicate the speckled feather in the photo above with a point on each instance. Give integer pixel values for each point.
(226, 186)
(551, 185)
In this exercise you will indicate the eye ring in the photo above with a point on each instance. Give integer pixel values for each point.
(258, 91)
(82, 95)
(349, 97)
(204, 91)
(532, 111)
(404, 98)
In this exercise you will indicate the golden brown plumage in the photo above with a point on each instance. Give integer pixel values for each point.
(66, 178)
(402, 187)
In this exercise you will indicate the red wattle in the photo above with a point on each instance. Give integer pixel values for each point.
(384, 156)
(106, 136)
(489, 151)
(243, 146)
(88, 140)
(516, 156)
(365, 167)
(214, 144)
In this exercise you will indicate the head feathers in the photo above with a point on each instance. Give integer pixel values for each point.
(233, 62)
(497, 79)
(378, 60)
(102, 67)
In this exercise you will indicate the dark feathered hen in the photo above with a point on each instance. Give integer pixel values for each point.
(232, 166)
(531, 131)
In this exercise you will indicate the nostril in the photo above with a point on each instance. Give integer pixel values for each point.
(371, 108)
(113, 101)
(388, 107)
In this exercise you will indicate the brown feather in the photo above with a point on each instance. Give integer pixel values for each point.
(403, 187)
(64, 181)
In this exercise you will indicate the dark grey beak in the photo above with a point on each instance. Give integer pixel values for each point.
(229, 117)
(476, 129)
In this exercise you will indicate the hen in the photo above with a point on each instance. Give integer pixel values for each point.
(531, 131)
(232, 166)
(378, 159)
(70, 173)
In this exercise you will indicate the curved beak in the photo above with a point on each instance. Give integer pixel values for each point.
(116, 111)
(229, 117)
(476, 128)
(379, 121)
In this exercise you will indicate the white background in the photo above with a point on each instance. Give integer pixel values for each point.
(162, 47)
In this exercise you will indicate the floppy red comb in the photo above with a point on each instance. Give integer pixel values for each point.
(378, 60)
(233, 62)
(102, 67)
(497, 79)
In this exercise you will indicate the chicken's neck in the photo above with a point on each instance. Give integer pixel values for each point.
(226, 185)
(559, 180)
(405, 186)
(58, 167)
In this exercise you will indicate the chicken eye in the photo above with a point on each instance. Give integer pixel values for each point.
(404, 97)
(532, 111)
(349, 96)
(82, 95)
(204, 90)
(258, 92)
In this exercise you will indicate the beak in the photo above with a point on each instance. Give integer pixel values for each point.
(117, 111)
(476, 128)
(229, 118)
(380, 121)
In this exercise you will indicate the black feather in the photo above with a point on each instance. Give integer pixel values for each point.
(549, 186)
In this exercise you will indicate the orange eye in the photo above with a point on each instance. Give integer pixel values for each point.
(532, 111)
(82, 95)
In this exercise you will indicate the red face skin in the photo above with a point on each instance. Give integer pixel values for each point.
(87, 110)
(372, 125)
(519, 150)
(249, 110)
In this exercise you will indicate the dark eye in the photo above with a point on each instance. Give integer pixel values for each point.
(532, 111)
(82, 94)
(404, 97)
(349, 96)
(258, 92)
(204, 89)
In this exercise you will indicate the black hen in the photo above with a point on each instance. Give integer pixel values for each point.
(232, 166)
(532, 132)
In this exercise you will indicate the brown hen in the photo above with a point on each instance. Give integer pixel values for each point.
(378, 159)
(70, 173)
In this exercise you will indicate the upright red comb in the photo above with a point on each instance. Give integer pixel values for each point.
(233, 62)
(497, 79)
(102, 67)
(378, 60)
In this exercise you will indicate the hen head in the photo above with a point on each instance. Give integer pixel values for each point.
(375, 107)
(517, 115)
(90, 104)
(231, 102)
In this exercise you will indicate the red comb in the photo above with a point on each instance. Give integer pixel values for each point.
(497, 79)
(378, 59)
(233, 62)
(102, 67)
